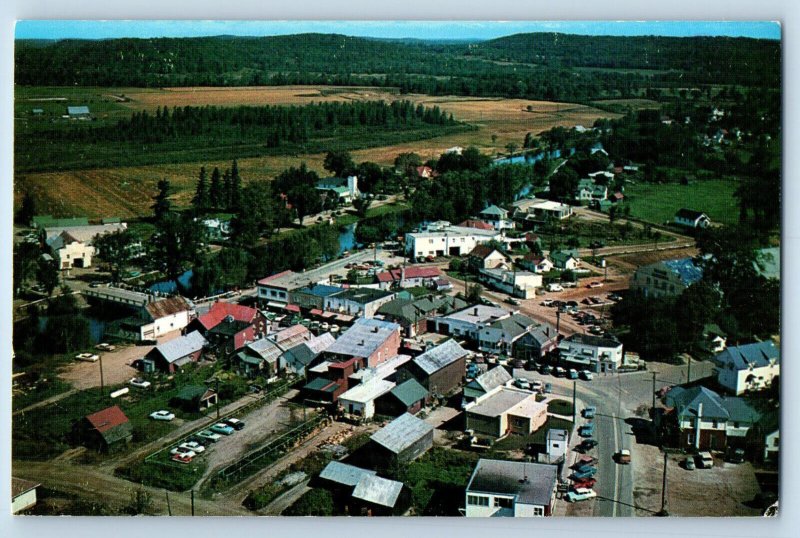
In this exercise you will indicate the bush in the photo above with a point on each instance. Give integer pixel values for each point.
(317, 502)
(261, 497)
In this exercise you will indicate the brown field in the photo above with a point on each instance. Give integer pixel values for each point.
(128, 191)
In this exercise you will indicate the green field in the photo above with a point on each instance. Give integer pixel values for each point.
(658, 203)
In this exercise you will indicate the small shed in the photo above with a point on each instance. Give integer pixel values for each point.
(557, 441)
(170, 356)
(376, 496)
(106, 430)
(401, 441)
(23, 494)
(194, 398)
(407, 397)
(78, 112)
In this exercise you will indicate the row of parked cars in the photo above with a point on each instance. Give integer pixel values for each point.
(186, 451)
(584, 469)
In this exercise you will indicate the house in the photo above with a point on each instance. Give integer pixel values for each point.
(413, 314)
(406, 397)
(313, 297)
(291, 336)
(377, 496)
(666, 278)
(79, 113)
(440, 369)
(344, 190)
(533, 211)
(536, 263)
(105, 431)
(768, 263)
(536, 342)
(502, 337)
(446, 241)
(700, 419)
(468, 322)
(557, 442)
(299, 357)
(497, 217)
(329, 387)
(505, 410)
(479, 224)
(259, 358)
(359, 402)
(220, 311)
(589, 191)
(361, 302)
(217, 229)
(274, 291)
(231, 335)
(401, 441)
(566, 260)
(691, 219)
(603, 176)
(520, 284)
(70, 252)
(194, 398)
(163, 316)
(487, 257)
(408, 277)
(714, 339)
(500, 488)
(23, 494)
(594, 353)
(486, 383)
(425, 172)
(171, 356)
(372, 340)
(748, 368)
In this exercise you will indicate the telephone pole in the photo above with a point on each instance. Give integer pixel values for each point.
(102, 384)
(689, 369)
(574, 402)
(663, 511)
(192, 501)
(654, 390)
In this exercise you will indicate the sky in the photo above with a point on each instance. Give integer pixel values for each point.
(60, 29)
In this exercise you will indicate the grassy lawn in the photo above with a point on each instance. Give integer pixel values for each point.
(560, 407)
(437, 480)
(519, 442)
(658, 203)
(164, 473)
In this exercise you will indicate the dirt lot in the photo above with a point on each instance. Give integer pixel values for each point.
(716, 492)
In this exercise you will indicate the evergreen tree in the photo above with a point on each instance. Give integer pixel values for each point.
(236, 189)
(201, 195)
(215, 193)
(28, 209)
(227, 189)
(162, 205)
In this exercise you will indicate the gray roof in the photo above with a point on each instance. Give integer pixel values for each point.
(499, 402)
(509, 478)
(493, 378)
(363, 338)
(342, 473)
(266, 349)
(377, 490)
(687, 401)
(363, 296)
(592, 340)
(742, 357)
(409, 392)
(514, 326)
(77, 110)
(556, 435)
(478, 314)
(402, 432)
(182, 346)
(440, 356)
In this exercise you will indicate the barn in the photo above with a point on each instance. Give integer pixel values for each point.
(401, 441)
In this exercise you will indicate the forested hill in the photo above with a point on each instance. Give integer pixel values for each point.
(523, 65)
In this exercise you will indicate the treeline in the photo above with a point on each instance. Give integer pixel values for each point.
(533, 66)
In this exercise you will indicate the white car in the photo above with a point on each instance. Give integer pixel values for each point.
(162, 415)
(88, 357)
(194, 446)
(547, 302)
(522, 383)
(182, 450)
(586, 374)
(705, 460)
(139, 383)
(554, 287)
(580, 494)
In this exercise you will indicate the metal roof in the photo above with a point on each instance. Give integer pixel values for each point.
(685, 268)
(514, 326)
(367, 391)
(478, 314)
(440, 356)
(531, 483)
(363, 296)
(167, 307)
(757, 355)
(320, 290)
(402, 432)
(77, 110)
(322, 384)
(363, 338)
(342, 473)
(494, 378)
(687, 402)
(108, 418)
(409, 392)
(377, 490)
(503, 400)
(266, 349)
(181, 346)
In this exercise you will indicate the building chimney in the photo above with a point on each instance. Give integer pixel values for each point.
(361, 343)
(697, 426)
(475, 312)
(375, 330)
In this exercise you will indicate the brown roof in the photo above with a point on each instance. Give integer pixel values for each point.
(482, 251)
(167, 307)
(20, 486)
(108, 418)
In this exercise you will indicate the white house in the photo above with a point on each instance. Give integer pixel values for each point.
(521, 284)
(363, 302)
(360, 400)
(497, 217)
(537, 209)
(748, 368)
(449, 241)
(536, 263)
(595, 353)
(468, 322)
(70, 252)
(565, 260)
(511, 489)
(666, 278)
(692, 219)
(163, 316)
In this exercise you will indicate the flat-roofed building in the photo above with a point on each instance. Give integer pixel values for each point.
(506, 410)
(511, 489)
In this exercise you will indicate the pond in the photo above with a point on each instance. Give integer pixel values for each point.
(97, 326)
(347, 237)
(169, 286)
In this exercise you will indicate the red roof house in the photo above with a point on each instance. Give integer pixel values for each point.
(479, 224)
(408, 277)
(221, 311)
(105, 430)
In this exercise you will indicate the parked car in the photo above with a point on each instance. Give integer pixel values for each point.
(88, 357)
(572, 373)
(623, 456)
(580, 494)
(586, 374)
(513, 301)
(593, 285)
(588, 412)
(546, 369)
(183, 458)
(587, 430)
(180, 449)
(548, 388)
(194, 446)
(596, 330)
(162, 415)
(688, 463)
(139, 383)
(587, 444)
(559, 372)
(580, 475)
(735, 455)
(554, 287)
(221, 427)
(234, 423)
(536, 386)
(105, 347)
(547, 302)
(615, 296)
(207, 435)
(521, 383)
(705, 460)
(585, 483)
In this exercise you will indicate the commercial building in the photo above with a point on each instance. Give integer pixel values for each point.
(594, 353)
(451, 241)
(748, 368)
(505, 410)
(520, 284)
(666, 278)
(511, 489)
(468, 322)
(360, 302)
(372, 340)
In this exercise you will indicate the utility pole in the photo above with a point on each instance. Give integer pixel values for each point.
(169, 508)
(689, 369)
(663, 511)
(102, 384)
(192, 501)
(558, 323)
(218, 405)
(654, 390)
(574, 402)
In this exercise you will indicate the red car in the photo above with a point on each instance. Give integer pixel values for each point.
(182, 458)
(587, 483)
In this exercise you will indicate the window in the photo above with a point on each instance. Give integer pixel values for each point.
(477, 500)
(538, 511)
(503, 502)
(715, 424)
